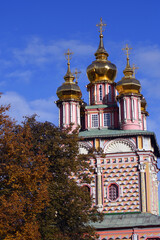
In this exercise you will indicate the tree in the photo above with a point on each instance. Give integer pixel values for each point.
(23, 180)
(41, 179)
(70, 209)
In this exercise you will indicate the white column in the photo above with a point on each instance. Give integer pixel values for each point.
(142, 168)
(100, 119)
(89, 96)
(64, 113)
(95, 93)
(88, 116)
(78, 115)
(67, 113)
(132, 107)
(71, 112)
(139, 110)
(120, 111)
(98, 170)
(129, 109)
(124, 108)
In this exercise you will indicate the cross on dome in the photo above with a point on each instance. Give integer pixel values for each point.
(101, 25)
(127, 50)
(76, 73)
(134, 67)
(68, 55)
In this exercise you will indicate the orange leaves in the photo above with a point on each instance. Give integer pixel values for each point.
(23, 181)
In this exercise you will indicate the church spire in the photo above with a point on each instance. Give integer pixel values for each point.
(101, 53)
(69, 76)
(128, 71)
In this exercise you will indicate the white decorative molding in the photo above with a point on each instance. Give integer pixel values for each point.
(84, 147)
(119, 145)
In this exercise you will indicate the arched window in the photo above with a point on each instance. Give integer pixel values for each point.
(113, 192)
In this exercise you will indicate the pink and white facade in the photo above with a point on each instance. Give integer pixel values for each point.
(125, 185)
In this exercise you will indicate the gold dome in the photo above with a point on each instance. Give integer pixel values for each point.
(128, 84)
(69, 90)
(101, 69)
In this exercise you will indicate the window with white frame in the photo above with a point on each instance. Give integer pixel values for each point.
(100, 93)
(107, 119)
(94, 120)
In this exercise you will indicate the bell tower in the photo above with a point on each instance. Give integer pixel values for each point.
(69, 101)
(102, 111)
(132, 105)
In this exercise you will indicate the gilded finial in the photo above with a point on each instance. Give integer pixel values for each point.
(76, 73)
(127, 53)
(101, 25)
(68, 76)
(101, 52)
(134, 69)
(68, 55)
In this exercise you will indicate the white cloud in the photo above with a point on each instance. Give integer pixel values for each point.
(44, 108)
(148, 58)
(39, 53)
(20, 75)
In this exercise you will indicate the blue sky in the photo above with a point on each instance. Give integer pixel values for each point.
(34, 34)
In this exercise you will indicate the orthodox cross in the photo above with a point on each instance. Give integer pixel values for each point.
(134, 70)
(68, 55)
(77, 75)
(127, 50)
(101, 25)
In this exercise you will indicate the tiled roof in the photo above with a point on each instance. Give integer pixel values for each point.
(128, 220)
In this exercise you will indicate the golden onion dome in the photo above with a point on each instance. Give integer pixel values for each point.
(69, 90)
(128, 84)
(101, 69)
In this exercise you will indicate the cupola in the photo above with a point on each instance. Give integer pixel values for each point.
(69, 90)
(101, 69)
(128, 84)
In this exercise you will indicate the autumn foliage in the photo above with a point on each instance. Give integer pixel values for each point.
(41, 179)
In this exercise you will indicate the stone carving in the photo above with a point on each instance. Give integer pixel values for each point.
(119, 145)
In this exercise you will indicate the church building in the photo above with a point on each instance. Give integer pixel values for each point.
(125, 185)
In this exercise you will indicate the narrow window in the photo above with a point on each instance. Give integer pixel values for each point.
(109, 94)
(133, 110)
(94, 120)
(113, 192)
(107, 119)
(100, 93)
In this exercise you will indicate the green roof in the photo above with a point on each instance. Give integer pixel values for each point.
(100, 106)
(112, 133)
(128, 221)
